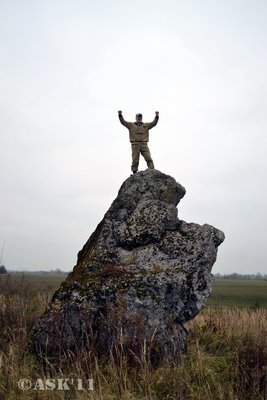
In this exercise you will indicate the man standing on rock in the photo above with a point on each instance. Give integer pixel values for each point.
(139, 136)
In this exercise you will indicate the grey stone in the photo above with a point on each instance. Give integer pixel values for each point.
(139, 278)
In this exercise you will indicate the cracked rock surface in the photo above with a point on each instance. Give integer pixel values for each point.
(140, 276)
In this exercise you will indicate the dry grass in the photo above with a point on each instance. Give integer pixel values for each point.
(226, 357)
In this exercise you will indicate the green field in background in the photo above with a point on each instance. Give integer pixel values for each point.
(37, 282)
(239, 292)
(226, 292)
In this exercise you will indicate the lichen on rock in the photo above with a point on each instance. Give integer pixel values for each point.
(140, 276)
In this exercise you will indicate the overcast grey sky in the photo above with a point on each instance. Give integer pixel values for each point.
(68, 66)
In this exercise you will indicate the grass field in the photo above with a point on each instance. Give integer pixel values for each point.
(239, 292)
(226, 292)
(225, 359)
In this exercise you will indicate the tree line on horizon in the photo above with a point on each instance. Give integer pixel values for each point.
(234, 275)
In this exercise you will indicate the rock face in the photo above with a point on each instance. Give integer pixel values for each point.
(141, 275)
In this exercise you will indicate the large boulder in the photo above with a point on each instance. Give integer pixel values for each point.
(141, 275)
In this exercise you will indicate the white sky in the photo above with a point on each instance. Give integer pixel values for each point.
(68, 66)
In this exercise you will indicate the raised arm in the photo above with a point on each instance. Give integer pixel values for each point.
(154, 123)
(122, 120)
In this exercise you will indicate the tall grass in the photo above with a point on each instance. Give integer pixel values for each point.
(226, 356)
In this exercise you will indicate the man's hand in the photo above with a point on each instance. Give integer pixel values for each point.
(119, 112)
(157, 113)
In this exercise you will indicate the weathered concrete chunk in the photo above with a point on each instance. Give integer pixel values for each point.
(141, 275)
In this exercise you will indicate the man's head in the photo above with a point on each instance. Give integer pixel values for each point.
(139, 117)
